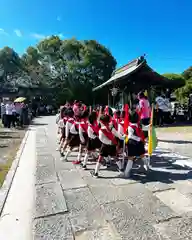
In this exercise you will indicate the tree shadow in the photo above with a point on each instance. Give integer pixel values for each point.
(165, 170)
(38, 124)
(3, 146)
(178, 124)
(175, 141)
(8, 137)
(162, 169)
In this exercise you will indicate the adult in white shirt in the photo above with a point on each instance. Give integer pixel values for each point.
(8, 111)
(3, 114)
(160, 108)
(14, 115)
(163, 109)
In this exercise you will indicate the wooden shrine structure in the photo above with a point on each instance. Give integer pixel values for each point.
(133, 77)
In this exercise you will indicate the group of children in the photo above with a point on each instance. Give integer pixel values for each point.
(102, 135)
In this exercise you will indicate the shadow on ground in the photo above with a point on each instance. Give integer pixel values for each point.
(175, 141)
(8, 137)
(166, 170)
(177, 124)
(38, 124)
(163, 169)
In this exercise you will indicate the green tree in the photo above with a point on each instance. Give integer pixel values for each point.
(71, 68)
(10, 63)
(183, 93)
(187, 74)
(177, 79)
(76, 66)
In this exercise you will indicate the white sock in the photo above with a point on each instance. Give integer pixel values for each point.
(108, 159)
(128, 168)
(97, 167)
(85, 159)
(79, 156)
(146, 162)
(119, 164)
(67, 154)
(94, 155)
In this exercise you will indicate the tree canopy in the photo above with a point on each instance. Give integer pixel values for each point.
(183, 93)
(183, 84)
(71, 68)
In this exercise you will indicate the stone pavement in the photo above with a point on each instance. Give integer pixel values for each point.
(180, 142)
(71, 205)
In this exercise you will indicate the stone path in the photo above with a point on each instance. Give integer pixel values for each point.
(179, 141)
(71, 205)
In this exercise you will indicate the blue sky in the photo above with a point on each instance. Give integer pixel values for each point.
(129, 28)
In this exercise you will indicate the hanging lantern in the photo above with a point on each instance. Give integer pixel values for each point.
(114, 91)
(145, 93)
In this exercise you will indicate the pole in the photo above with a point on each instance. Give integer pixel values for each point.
(123, 160)
(108, 99)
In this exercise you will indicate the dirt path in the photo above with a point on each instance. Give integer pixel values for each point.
(10, 141)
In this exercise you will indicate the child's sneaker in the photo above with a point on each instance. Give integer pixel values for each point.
(76, 162)
(83, 166)
(95, 175)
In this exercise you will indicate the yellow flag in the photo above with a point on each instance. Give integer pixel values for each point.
(145, 93)
(152, 144)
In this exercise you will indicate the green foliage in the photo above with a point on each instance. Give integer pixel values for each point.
(177, 79)
(187, 74)
(182, 92)
(71, 68)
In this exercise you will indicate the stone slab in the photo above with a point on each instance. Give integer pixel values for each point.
(43, 151)
(91, 224)
(108, 193)
(176, 229)
(184, 187)
(176, 201)
(55, 227)
(100, 233)
(42, 147)
(122, 181)
(45, 160)
(50, 200)
(45, 174)
(129, 223)
(43, 140)
(72, 158)
(147, 204)
(158, 186)
(87, 218)
(71, 179)
(91, 181)
(63, 165)
(80, 201)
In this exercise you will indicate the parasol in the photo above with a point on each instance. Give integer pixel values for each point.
(19, 99)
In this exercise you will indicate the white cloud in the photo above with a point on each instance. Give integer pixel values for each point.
(42, 36)
(38, 36)
(18, 32)
(2, 32)
(58, 19)
(61, 35)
